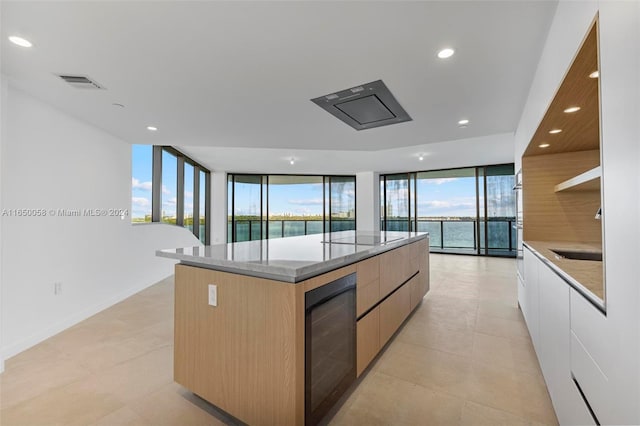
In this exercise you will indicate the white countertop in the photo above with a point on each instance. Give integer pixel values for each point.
(292, 259)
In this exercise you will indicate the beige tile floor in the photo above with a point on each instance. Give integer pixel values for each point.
(463, 358)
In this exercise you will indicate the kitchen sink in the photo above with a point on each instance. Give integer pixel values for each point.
(579, 254)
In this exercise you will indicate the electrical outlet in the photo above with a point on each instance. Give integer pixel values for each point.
(213, 295)
(57, 288)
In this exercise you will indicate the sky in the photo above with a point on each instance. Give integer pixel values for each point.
(453, 197)
(295, 199)
(141, 184)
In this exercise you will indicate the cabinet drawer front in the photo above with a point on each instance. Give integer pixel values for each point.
(575, 410)
(592, 381)
(368, 339)
(368, 270)
(367, 295)
(393, 312)
(590, 327)
(521, 295)
(418, 289)
(396, 266)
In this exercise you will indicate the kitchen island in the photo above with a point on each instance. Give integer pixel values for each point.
(246, 334)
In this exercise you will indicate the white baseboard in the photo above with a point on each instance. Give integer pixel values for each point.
(24, 344)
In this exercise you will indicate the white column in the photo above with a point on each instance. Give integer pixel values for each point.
(368, 201)
(218, 207)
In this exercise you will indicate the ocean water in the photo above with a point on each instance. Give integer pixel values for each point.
(456, 234)
(286, 228)
(461, 234)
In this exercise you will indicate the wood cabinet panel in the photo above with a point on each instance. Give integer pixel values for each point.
(367, 295)
(320, 280)
(261, 380)
(559, 216)
(417, 290)
(396, 266)
(423, 266)
(368, 284)
(368, 339)
(392, 270)
(393, 312)
(368, 270)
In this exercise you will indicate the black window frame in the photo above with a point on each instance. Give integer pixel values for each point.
(264, 202)
(156, 190)
(481, 220)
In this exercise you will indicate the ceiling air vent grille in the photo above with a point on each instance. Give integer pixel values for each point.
(80, 81)
(364, 107)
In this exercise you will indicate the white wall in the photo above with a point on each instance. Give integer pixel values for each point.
(619, 88)
(53, 161)
(3, 91)
(620, 113)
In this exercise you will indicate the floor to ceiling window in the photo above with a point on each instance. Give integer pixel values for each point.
(340, 191)
(277, 206)
(396, 202)
(141, 175)
(446, 204)
(467, 210)
(168, 186)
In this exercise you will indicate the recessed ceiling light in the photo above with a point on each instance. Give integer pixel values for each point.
(594, 74)
(292, 162)
(554, 131)
(463, 122)
(544, 145)
(421, 158)
(572, 109)
(152, 128)
(20, 41)
(446, 53)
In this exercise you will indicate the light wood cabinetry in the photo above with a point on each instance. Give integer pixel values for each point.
(392, 293)
(420, 285)
(393, 311)
(247, 354)
(395, 268)
(565, 215)
(368, 284)
(368, 339)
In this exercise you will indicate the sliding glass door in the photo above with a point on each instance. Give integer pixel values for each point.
(447, 201)
(468, 210)
(277, 206)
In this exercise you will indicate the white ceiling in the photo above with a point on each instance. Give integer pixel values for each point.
(241, 74)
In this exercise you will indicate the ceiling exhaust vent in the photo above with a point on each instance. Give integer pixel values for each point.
(80, 81)
(364, 107)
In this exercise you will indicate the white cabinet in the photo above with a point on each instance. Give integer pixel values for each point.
(554, 348)
(554, 344)
(522, 295)
(591, 358)
(546, 305)
(531, 309)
